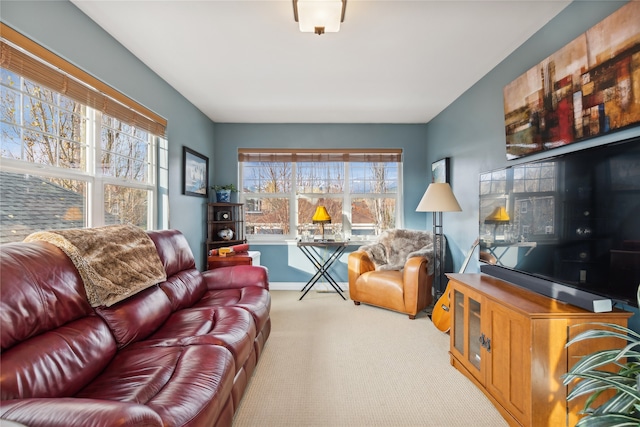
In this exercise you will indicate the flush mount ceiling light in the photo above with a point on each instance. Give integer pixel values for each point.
(319, 16)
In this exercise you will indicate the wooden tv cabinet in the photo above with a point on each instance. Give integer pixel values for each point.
(511, 343)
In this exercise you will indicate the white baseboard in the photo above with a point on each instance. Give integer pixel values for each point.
(297, 286)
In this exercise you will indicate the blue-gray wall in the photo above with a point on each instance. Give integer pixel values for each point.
(471, 130)
(65, 30)
(286, 263)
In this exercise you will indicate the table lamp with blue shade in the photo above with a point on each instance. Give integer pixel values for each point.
(321, 216)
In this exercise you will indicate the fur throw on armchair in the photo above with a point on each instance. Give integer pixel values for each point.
(394, 247)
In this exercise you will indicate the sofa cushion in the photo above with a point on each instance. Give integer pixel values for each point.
(255, 300)
(138, 316)
(241, 276)
(231, 327)
(36, 299)
(53, 344)
(243, 286)
(385, 287)
(57, 363)
(174, 251)
(184, 288)
(184, 385)
(74, 412)
(184, 285)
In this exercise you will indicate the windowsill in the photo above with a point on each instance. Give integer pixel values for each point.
(295, 241)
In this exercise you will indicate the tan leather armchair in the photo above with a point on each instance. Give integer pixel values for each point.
(406, 291)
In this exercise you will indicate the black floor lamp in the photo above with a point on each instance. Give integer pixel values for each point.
(437, 199)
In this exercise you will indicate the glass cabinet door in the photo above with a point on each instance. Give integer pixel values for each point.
(459, 328)
(474, 332)
(467, 330)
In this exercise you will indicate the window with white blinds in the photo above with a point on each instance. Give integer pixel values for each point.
(281, 189)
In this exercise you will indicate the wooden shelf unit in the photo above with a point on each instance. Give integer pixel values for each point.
(216, 223)
(510, 342)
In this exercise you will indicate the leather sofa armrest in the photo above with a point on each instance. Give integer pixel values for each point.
(72, 412)
(359, 263)
(415, 276)
(237, 276)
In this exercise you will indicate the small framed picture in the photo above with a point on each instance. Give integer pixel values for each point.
(196, 173)
(440, 170)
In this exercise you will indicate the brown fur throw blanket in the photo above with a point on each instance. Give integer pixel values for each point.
(114, 262)
(394, 247)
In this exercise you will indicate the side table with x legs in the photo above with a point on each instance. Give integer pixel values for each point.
(322, 263)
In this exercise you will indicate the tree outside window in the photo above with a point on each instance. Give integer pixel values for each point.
(281, 197)
(47, 141)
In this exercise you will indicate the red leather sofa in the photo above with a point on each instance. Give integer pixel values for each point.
(177, 354)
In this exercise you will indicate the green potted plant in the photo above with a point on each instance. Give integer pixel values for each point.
(223, 192)
(623, 408)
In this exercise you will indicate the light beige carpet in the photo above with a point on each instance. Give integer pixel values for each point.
(329, 363)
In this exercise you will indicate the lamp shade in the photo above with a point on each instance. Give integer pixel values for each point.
(438, 198)
(319, 16)
(321, 215)
(498, 216)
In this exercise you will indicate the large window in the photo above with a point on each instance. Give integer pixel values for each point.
(361, 190)
(71, 155)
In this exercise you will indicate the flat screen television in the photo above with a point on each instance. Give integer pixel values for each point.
(572, 219)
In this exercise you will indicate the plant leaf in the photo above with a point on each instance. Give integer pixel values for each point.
(615, 381)
(595, 360)
(617, 327)
(621, 403)
(623, 408)
(618, 331)
(604, 357)
(587, 386)
(609, 420)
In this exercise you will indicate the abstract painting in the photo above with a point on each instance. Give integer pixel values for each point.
(588, 88)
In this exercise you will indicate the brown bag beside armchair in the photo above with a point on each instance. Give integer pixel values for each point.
(395, 273)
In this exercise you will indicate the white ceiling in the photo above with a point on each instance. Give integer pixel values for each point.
(393, 61)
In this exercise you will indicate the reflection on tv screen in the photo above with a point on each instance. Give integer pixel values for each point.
(573, 219)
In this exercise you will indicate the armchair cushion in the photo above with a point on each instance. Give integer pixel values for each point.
(394, 247)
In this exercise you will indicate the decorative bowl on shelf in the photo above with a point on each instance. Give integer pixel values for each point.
(226, 234)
